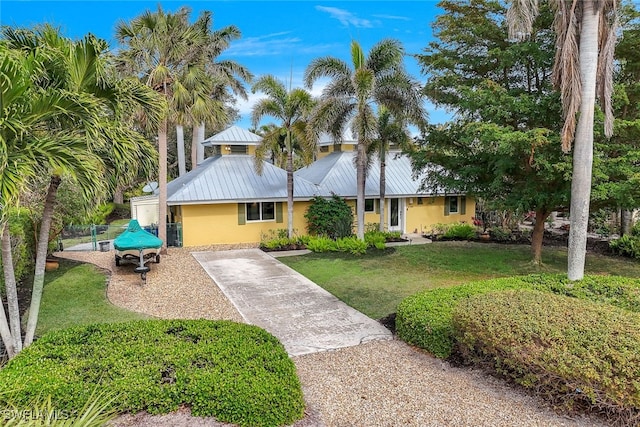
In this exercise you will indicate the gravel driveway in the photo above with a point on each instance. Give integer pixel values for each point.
(380, 383)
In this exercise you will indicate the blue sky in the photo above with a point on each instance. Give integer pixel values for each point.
(278, 37)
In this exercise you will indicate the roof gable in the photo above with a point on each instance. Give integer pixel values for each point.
(233, 135)
(337, 173)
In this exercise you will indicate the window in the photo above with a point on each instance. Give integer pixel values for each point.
(324, 149)
(238, 149)
(263, 211)
(369, 205)
(453, 204)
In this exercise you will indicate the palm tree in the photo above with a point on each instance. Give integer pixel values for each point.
(354, 92)
(291, 138)
(158, 46)
(74, 122)
(586, 38)
(390, 131)
(227, 78)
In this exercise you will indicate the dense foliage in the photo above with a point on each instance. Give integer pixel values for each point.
(237, 373)
(22, 244)
(329, 217)
(424, 319)
(578, 353)
(504, 144)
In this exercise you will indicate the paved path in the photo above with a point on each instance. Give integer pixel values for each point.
(302, 315)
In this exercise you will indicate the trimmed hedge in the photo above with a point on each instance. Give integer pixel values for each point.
(424, 319)
(237, 373)
(578, 352)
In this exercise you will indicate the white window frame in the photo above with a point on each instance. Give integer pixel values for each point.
(261, 210)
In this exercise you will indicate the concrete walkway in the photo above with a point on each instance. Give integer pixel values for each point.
(302, 315)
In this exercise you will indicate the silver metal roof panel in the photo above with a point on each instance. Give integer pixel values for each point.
(232, 178)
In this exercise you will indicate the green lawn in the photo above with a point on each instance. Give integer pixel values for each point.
(75, 294)
(376, 283)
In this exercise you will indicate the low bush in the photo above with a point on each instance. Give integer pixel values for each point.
(277, 240)
(353, 245)
(375, 239)
(321, 244)
(576, 352)
(500, 234)
(460, 231)
(22, 244)
(628, 246)
(235, 372)
(424, 319)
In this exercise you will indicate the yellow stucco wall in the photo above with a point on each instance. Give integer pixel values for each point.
(218, 224)
(421, 217)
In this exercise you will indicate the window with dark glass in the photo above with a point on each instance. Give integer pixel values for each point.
(369, 205)
(453, 204)
(261, 211)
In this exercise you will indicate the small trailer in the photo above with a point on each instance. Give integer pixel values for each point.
(137, 246)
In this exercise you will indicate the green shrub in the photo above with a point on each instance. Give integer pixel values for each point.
(573, 351)
(628, 246)
(235, 372)
(424, 319)
(375, 239)
(101, 212)
(393, 235)
(22, 244)
(353, 245)
(439, 229)
(329, 217)
(321, 244)
(500, 234)
(460, 231)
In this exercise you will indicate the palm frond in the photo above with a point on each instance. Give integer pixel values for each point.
(607, 37)
(520, 18)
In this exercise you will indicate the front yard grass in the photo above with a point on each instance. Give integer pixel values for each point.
(76, 294)
(376, 283)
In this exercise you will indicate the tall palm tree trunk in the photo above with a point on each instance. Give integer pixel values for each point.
(41, 258)
(361, 169)
(290, 193)
(7, 266)
(199, 146)
(11, 290)
(194, 147)
(162, 185)
(383, 186)
(182, 167)
(583, 145)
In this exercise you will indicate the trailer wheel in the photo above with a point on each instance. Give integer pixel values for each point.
(117, 261)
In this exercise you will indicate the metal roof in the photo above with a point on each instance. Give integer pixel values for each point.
(232, 178)
(233, 135)
(337, 174)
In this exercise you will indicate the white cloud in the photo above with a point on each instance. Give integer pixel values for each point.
(267, 45)
(396, 17)
(345, 17)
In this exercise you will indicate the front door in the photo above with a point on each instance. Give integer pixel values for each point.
(395, 215)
